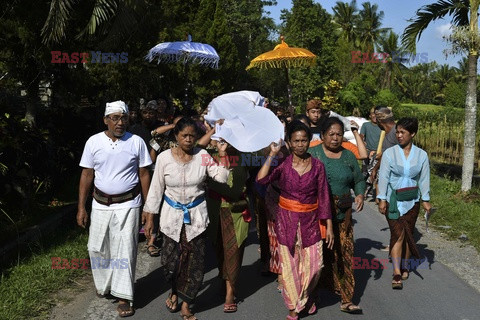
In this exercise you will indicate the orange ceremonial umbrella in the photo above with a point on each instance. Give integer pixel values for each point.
(284, 57)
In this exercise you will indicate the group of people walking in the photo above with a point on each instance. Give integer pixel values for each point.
(305, 194)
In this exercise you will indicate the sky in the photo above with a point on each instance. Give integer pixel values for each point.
(396, 16)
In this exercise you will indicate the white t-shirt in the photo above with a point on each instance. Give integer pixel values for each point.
(116, 165)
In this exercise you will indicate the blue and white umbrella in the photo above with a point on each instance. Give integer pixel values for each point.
(186, 52)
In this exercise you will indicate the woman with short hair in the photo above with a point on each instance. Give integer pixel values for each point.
(404, 179)
(343, 175)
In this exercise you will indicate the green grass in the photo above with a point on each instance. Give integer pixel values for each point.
(25, 290)
(424, 107)
(461, 212)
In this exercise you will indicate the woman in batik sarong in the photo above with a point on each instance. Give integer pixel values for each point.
(229, 217)
(179, 179)
(304, 200)
(344, 174)
(404, 178)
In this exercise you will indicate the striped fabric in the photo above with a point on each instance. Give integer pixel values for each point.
(300, 272)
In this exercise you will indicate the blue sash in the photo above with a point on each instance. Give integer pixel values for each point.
(184, 207)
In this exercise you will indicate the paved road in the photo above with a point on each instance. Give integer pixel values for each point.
(432, 292)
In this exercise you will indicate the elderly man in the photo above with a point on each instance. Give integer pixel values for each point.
(116, 163)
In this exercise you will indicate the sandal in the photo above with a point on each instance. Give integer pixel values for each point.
(189, 316)
(312, 309)
(172, 305)
(289, 317)
(405, 274)
(125, 310)
(350, 308)
(155, 252)
(230, 307)
(397, 282)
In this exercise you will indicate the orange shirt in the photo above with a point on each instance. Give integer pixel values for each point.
(345, 144)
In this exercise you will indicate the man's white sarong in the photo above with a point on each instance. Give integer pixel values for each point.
(112, 246)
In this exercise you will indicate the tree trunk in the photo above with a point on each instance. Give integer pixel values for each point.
(470, 121)
(470, 105)
(32, 101)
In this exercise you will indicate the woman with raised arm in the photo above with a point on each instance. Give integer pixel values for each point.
(304, 201)
(180, 178)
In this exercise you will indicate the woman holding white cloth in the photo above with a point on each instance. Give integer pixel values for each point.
(179, 179)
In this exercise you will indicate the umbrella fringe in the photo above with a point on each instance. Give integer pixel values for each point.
(283, 63)
(183, 57)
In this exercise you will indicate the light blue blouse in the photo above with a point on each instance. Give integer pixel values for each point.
(397, 172)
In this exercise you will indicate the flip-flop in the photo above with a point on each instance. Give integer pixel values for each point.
(153, 253)
(350, 308)
(173, 303)
(190, 316)
(125, 310)
(230, 307)
(397, 282)
(312, 309)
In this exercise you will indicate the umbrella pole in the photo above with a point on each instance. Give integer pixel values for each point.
(185, 74)
(289, 93)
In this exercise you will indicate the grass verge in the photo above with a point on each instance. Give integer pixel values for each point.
(25, 289)
(460, 212)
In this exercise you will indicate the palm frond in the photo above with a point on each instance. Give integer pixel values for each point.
(102, 12)
(457, 9)
(54, 28)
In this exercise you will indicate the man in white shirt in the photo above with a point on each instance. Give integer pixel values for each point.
(116, 163)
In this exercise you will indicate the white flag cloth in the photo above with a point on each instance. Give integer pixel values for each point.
(248, 126)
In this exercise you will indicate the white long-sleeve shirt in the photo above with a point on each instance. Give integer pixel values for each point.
(183, 183)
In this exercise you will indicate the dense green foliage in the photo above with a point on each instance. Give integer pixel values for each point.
(45, 133)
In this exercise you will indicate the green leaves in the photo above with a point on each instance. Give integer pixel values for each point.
(457, 9)
(55, 26)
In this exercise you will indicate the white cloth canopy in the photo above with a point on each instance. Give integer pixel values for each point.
(248, 126)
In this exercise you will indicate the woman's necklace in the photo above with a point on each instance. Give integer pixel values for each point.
(306, 166)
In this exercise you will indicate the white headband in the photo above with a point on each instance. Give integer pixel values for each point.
(116, 106)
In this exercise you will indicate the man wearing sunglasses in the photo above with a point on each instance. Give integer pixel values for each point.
(116, 163)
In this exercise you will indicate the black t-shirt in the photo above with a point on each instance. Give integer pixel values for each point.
(143, 132)
(316, 134)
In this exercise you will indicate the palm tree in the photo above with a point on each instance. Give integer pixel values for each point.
(369, 26)
(120, 17)
(444, 75)
(397, 57)
(345, 20)
(463, 13)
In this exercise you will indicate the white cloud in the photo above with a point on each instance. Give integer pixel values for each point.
(443, 30)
